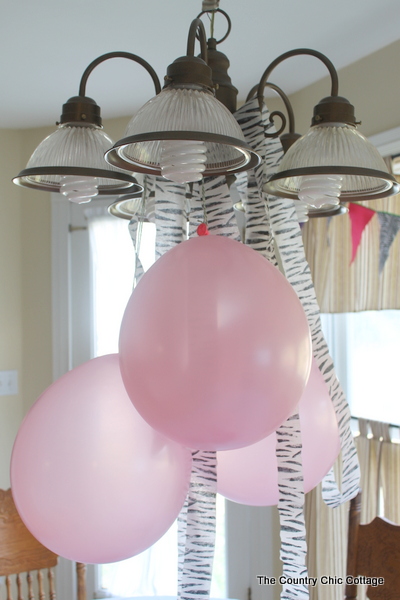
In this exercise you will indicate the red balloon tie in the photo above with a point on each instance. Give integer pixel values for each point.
(203, 229)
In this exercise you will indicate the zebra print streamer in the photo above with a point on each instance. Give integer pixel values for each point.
(136, 225)
(288, 237)
(258, 229)
(182, 524)
(298, 273)
(170, 214)
(134, 233)
(291, 510)
(196, 522)
(200, 512)
(288, 449)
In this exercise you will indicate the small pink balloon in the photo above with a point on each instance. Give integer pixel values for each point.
(215, 348)
(92, 481)
(250, 475)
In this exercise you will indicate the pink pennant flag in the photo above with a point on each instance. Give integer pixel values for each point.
(360, 216)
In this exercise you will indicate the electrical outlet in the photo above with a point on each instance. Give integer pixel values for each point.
(8, 383)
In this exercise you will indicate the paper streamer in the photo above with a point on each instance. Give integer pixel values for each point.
(288, 450)
(197, 534)
(293, 552)
(291, 251)
(136, 224)
(196, 522)
(170, 214)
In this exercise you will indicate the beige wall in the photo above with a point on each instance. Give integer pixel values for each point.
(11, 343)
(25, 231)
(36, 271)
(36, 281)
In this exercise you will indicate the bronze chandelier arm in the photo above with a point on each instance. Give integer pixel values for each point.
(130, 56)
(197, 29)
(299, 52)
(288, 106)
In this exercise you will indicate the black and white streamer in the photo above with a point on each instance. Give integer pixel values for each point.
(288, 449)
(170, 214)
(298, 273)
(288, 239)
(134, 230)
(289, 242)
(197, 524)
(291, 250)
(146, 211)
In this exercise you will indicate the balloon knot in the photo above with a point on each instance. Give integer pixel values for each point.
(202, 229)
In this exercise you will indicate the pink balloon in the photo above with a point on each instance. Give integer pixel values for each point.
(250, 475)
(91, 479)
(215, 348)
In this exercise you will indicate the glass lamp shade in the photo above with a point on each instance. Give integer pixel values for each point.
(304, 212)
(75, 151)
(186, 115)
(126, 207)
(339, 151)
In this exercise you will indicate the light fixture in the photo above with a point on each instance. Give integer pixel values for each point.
(187, 132)
(184, 133)
(333, 160)
(71, 159)
(304, 210)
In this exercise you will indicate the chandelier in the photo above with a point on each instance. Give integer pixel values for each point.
(187, 131)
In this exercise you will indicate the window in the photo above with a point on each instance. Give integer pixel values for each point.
(364, 347)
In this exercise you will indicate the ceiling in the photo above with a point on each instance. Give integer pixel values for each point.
(45, 45)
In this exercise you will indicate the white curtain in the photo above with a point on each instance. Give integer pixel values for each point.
(112, 260)
(152, 572)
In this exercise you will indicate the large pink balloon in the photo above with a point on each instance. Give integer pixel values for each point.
(90, 478)
(215, 347)
(250, 475)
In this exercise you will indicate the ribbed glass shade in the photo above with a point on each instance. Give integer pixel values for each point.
(127, 207)
(75, 150)
(183, 114)
(334, 149)
(304, 212)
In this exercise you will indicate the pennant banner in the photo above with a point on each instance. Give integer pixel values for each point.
(360, 216)
(390, 225)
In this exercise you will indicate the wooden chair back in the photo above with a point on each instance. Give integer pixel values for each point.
(21, 553)
(373, 556)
